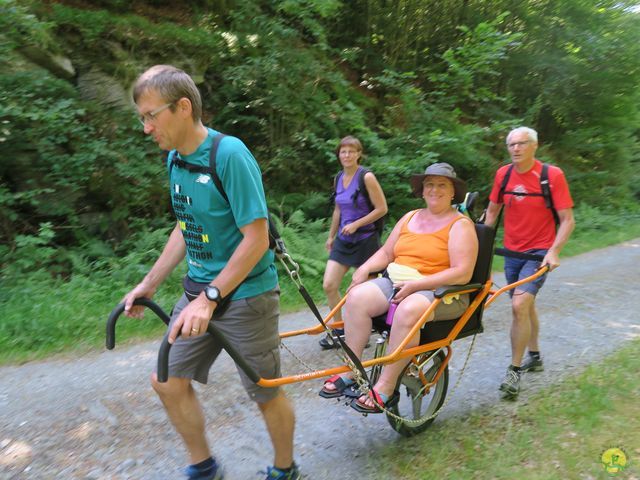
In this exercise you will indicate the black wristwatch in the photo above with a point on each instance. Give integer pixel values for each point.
(213, 294)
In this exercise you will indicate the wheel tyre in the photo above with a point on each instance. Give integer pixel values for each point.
(412, 404)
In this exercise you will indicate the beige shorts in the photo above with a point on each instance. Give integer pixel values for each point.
(443, 311)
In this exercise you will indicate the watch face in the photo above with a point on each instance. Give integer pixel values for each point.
(212, 294)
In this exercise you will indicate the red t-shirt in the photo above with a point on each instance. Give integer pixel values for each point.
(528, 223)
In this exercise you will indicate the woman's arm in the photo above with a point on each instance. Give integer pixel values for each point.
(333, 229)
(382, 258)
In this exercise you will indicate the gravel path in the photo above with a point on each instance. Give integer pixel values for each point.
(96, 417)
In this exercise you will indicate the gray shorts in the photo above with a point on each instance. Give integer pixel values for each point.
(443, 311)
(251, 327)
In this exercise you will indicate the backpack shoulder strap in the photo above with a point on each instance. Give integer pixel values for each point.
(213, 167)
(275, 242)
(336, 178)
(362, 188)
(546, 192)
(168, 161)
(505, 181)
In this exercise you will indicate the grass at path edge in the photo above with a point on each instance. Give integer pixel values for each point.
(40, 317)
(561, 432)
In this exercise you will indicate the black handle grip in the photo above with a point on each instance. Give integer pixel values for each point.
(116, 312)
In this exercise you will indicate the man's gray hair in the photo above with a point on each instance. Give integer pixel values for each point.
(171, 84)
(531, 133)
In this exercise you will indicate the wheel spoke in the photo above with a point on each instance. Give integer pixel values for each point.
(415, 411)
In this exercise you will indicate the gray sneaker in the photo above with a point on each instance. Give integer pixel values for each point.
(511, 384)
(274, 473)
(532, 364)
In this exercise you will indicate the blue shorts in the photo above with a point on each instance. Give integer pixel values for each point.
(516, 269)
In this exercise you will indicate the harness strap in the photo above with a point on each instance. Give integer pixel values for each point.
(347, 350)
(505, 252)
(545, 190)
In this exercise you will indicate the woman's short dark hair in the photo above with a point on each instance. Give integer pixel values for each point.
(350, 141)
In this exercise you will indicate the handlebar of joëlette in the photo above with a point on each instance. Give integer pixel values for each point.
(116, 312)
(165, 346)
(542, 270)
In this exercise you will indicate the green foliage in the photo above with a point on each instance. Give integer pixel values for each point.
(472, 76)
(305, 243)
(125, 44)
(584, 415)
(253, 99)
(82, 177)
(34, 252)
(600, 226)
(82, 193)
(21, 28)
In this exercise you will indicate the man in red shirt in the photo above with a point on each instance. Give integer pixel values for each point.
(529, 226)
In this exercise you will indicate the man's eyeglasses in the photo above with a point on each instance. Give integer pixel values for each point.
(152, 116)
(518, 144)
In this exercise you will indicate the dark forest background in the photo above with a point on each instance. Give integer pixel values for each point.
(83, 193)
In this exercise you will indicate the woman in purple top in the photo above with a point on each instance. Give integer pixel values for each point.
(352, 237)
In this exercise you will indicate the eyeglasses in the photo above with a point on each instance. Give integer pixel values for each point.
(347, 152)
(518, 144)
(152, 116)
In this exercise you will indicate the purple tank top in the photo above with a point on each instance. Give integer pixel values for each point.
(352, 207)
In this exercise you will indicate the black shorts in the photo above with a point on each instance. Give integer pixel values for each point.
(354, 254)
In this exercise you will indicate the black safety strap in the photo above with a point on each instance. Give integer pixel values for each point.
(211, 169)
(505, 252)
(212, 165)
(336, 338)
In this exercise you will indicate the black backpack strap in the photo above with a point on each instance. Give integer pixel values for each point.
(212, 166)
(336, 178)
(505, 181)
(275, 241)
(546, 192)
(362, 188)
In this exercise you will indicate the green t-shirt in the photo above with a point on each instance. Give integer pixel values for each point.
(210, 226)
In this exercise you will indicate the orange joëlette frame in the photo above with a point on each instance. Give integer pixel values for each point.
(399, 352)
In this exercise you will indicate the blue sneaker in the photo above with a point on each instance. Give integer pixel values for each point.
(274, 473)
(213, 473)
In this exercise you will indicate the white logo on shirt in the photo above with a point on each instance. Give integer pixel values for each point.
(519, 189)
(203, 178)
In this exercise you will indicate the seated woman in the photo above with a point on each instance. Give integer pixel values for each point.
(428, 248)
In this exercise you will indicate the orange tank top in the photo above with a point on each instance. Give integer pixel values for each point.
(426, 252)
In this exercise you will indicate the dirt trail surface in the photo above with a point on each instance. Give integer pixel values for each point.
(96, 417)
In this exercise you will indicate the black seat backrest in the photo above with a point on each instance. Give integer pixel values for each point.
(486, 239)
(438, 330)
